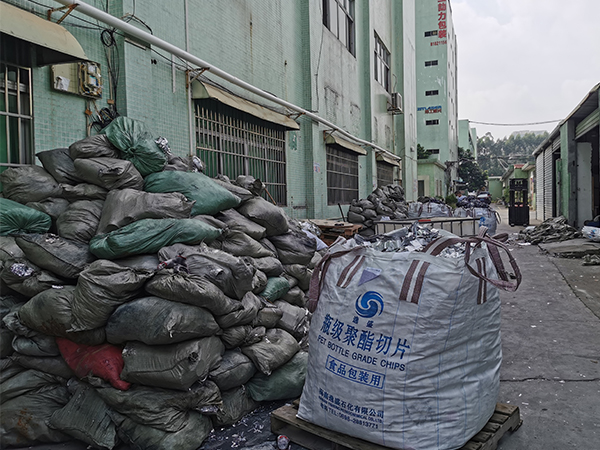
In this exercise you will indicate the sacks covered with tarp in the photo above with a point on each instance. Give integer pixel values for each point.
(25, 184)
(209, 196)
(136, 144)
(59, 164)
(149, 236)
(277, 348)
(251, 304)
(50, 312)
(97, 146)
(173, 366)
(266, 214)
(156, 321)
(85, 417)
(83, 191)
(141, 437)
(191, 289)
(19, 219)
(24, 420)
(285, 382)
(236, 404)
(235, 370)
(126, 206)
(163, 409)
(64, 257)
(294, 247)
(109, 173)
(236, 221)
(104, 361)
(423, 375)
(101, 287)
(26, 278)
(276, 288)
(80, 220)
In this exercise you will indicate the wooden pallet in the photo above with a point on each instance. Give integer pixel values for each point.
(284, 421)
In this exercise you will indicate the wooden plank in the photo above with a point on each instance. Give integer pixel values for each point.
(284, 421)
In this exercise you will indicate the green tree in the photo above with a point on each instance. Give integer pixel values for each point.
(495, 156)
(421, 152)
(469, 171)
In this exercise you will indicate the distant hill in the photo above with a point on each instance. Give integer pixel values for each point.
(495, 156)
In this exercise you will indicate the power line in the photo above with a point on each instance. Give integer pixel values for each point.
(515, 124)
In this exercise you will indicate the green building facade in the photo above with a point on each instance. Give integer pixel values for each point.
(351, 63)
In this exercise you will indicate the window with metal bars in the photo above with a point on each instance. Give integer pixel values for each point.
(16, 104)
(233, 143)
(342, 176)
(385, 174)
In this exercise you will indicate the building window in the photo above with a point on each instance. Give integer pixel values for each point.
(432, 122)
(342, 176)
(382, 64)
(433, 151)
(234, 143)
(16, 104)
(385, 174)
(431, 63)
(431, 33)
(338, 17)
(435, 92)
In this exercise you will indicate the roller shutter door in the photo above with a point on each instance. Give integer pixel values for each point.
(548, 183)
(539, 186)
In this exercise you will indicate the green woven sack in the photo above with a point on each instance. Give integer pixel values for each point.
(18, 219)
(150, 235)
(285, 382)
(136, 145)
(209, 196)
(276, 288)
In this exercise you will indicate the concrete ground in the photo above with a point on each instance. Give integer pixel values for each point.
(551, 365)
(551, 346)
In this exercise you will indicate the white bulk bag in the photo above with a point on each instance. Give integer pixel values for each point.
(405, 348)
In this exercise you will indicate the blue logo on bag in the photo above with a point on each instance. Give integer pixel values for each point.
(369, 304)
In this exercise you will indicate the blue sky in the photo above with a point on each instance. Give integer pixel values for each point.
(522, 61)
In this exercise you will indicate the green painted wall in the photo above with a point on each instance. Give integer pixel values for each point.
(280, 47)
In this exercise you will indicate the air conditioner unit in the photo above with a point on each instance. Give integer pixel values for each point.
(396, 107)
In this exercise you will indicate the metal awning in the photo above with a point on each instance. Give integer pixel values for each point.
(202, 90)
(330, 139)
(54, 44)
(388, 159)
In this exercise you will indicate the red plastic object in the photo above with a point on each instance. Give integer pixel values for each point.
(104, 361)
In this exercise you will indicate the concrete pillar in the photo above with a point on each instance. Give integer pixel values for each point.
(568, 154)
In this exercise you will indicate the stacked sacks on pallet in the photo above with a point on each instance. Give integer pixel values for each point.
(478, 208)
(144, 316)
(384, 202)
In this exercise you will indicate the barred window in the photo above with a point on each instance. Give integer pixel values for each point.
(432, 122)
(431, 33)
(233, 143)
(433, 92)
(431, 63)
(385, 174)
(16, 104)
(342, 176)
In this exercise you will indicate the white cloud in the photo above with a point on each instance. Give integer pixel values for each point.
(524, 61)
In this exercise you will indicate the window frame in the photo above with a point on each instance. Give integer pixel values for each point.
(432, 122)
(344, 9)
(342, 185)
(385, 174)
(432, 92)
(431, 63)
(381, 63)
(233, 143)
(431, 33)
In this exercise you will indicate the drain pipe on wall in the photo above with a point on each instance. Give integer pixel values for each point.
(114, 22)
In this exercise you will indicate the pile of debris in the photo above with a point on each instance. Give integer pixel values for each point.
(384, 203)
(142, 302)
(555, 229)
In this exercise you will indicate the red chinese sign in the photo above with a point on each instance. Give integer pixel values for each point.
(442, 27)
